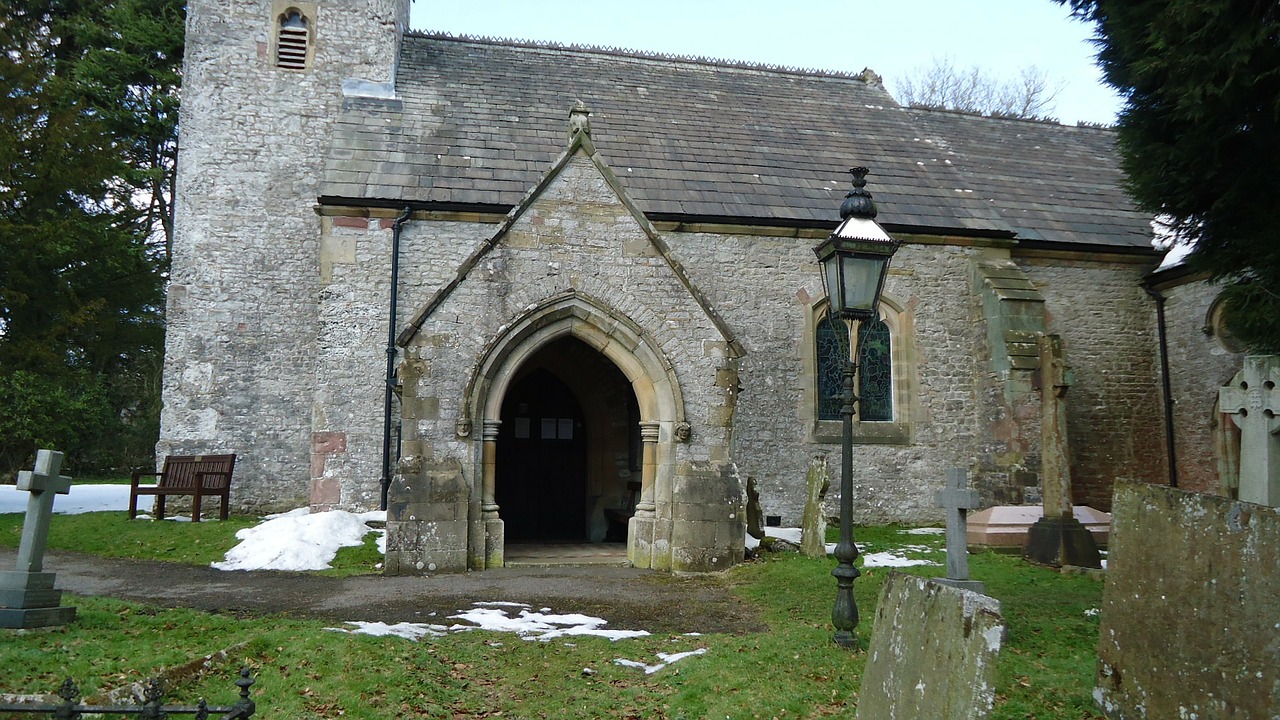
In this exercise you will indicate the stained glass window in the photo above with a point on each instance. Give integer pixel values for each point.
(875, 373)
(832, 349)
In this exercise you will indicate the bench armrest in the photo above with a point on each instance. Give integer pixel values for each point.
(133, 479)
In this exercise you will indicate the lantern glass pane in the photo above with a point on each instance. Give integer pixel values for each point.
(861, 281)
(831, 274)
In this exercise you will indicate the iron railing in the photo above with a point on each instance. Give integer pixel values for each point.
(151, 708)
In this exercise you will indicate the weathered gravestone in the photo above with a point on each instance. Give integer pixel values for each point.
(933, 653)
(1191, 610)
(27, 596)
(755, 514)
(813, 524)
(1252, 400)
(958, 499)
(1057, 538)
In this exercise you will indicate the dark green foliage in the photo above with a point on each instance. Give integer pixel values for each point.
(1200, 134)
(87, 139)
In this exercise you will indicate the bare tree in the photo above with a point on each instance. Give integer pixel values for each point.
(943, 85)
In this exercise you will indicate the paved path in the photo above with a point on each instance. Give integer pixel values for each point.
(628, 598)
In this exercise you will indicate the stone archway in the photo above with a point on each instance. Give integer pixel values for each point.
(569, 453)
(554, 331)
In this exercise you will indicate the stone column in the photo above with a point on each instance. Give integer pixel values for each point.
(1057, 538)
(640, 527)
(1055, 465)
(494, 538)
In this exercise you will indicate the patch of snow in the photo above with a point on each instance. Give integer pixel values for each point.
(925, 531)
(891, 558)
(666, 658)
(298, 540)
(409, 631)
(80, 499)
(530, 626)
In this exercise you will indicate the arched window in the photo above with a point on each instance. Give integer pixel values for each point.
(874, 373)
(293, 39)
(832, 349)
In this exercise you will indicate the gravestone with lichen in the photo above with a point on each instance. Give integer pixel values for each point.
(933, 653)
(813, 525)
(1189, 620)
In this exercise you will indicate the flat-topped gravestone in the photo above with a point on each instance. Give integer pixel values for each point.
(1252, 401)
(813, 524)
(1006, 526)
(27, 596)
(933, 653)
(1191, 610)
(957, 498)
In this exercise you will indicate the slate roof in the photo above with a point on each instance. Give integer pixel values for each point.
(475, 123)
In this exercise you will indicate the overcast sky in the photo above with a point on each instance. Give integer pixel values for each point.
(891, 38)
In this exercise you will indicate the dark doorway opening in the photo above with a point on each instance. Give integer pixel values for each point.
(542, 461)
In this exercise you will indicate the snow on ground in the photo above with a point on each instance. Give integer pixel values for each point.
(81, 499)
(517, 618)
(791, 535)
(300, 540)
(666, 658)
(889, 558)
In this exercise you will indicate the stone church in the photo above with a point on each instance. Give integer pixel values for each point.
(523, 292)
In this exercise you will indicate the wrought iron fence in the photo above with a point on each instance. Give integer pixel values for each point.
(151, 708)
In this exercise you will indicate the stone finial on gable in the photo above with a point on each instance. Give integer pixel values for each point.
(872, 78)
(579, 119)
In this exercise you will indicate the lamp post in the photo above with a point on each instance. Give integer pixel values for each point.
(855, 259)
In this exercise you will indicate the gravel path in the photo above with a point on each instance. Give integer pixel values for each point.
(626, 597)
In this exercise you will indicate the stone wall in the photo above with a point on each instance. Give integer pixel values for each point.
(1199, 365)
(240, 358)
(1115, 413)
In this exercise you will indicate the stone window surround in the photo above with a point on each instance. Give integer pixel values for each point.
(895, 432)
(279, 10)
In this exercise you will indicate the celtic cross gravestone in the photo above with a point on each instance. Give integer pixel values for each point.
(27, 596)
(1253, 401)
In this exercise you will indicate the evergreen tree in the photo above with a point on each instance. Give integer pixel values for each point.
(86, 138)
(1199, 136)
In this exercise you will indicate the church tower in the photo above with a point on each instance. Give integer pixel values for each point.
(263, 81)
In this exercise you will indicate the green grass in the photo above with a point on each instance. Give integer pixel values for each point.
(792, 670)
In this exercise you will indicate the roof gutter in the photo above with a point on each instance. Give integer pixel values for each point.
(1163, 339)
(391, 355)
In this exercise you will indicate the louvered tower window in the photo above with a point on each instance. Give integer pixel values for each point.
(291, 44)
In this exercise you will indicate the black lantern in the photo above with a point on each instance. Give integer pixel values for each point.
(855, 260)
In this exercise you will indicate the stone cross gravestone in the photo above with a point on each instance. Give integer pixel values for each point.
(933, 653)
(958, 499)
(1057, 539)
(813, 525)
(27, 596)
(1190, 622)
(1253, 402)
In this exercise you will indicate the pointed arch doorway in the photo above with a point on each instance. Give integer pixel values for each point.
(568, 449)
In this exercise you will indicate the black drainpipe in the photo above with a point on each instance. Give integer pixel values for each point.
(1168, 390)
(391, 356)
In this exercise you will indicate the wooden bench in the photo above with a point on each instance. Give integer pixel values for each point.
(199, 476)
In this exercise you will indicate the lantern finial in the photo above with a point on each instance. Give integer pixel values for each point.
(858, 202)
